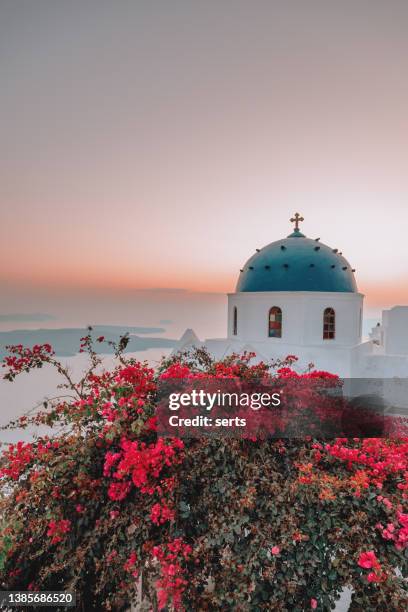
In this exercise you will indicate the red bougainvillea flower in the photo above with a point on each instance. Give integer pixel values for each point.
(161, 513)
(172, 583)
(118, 490)
(121, 485)
(23, 359)
(16, 459)
(176, 371)
(58, 529)
(144, 463)
(367, 560)
(373, 577)
(129, 565)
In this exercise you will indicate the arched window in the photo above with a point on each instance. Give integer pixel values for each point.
(275, 322)
(235, 321)
(329, 324)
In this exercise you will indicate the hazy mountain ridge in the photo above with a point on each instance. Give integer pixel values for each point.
(66, 341)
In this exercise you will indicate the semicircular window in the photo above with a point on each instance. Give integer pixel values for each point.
(275, 322)
(329, 324)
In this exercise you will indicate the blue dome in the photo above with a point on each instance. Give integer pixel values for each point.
(297, 263)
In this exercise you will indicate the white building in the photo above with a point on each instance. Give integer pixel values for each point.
(297, 296)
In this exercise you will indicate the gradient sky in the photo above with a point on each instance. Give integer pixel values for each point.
(155, 144)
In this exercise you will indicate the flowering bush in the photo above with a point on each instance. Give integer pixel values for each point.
(105, 507)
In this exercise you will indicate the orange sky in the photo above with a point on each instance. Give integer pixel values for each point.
(154, 145)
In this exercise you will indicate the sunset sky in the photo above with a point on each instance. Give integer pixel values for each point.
(156, 144)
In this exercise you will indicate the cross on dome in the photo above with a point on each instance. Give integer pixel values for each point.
(296, 219)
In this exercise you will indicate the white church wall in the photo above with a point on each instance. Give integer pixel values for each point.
(364, 360)
(348, 309)
(395, 329)
(358, 358)
(335, 359)
(384, 366)
(302, 317)
(370, 361)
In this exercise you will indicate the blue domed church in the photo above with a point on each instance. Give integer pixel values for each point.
(299, 296)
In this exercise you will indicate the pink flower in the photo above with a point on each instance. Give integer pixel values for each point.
(367, 560)
(275, 550)
(129, 566)
(58, 529)
(160, 513)
(387, 535)
(176, 370)
(376, 577)
(387, 502)
(111, 555)
(118, 490)
(313, 603)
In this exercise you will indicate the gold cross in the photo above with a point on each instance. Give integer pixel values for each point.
(296, 220)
